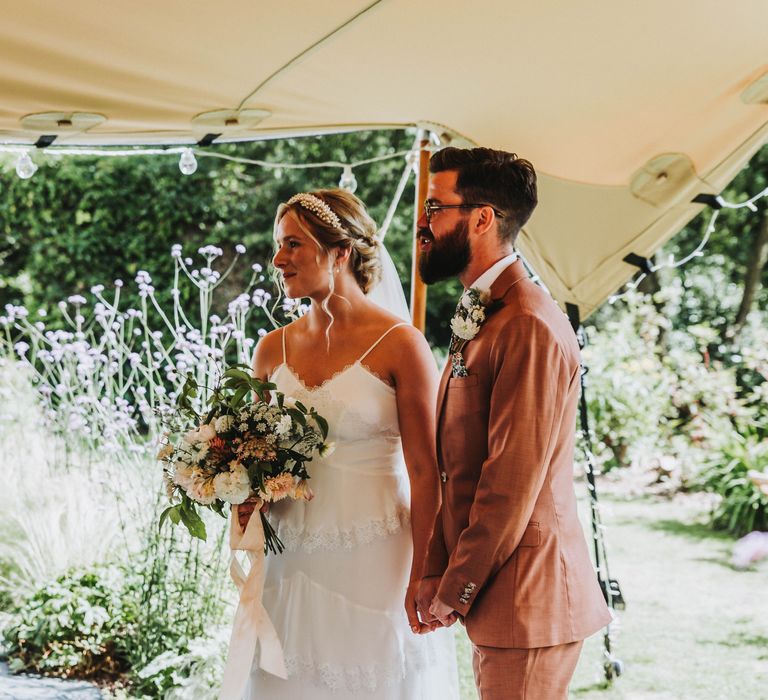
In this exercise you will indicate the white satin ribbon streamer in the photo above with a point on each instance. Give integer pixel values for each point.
(252, 623)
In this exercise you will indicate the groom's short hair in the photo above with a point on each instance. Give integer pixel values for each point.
(501, 179)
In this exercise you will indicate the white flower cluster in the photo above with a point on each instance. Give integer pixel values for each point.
(211, 251)
(144, 281)
(464, 328)
(12, 314)
(470, 315)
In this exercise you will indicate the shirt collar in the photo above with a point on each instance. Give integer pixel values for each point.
(484, 282)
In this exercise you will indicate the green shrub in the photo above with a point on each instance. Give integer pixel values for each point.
(145, 624)
(743, 506)
(73, 627)
(657, 399)
(194, 672)
(176, 595)
(649, 401)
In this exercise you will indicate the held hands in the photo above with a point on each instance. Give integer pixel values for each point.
(416, 610)
(420, 605)
(445, 614)
(427, 591)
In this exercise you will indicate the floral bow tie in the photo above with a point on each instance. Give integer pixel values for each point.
(465, 325)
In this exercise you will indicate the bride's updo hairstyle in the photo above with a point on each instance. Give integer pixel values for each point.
(337, 219)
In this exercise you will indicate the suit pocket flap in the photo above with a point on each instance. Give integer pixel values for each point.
(531, 536)
(462, 382)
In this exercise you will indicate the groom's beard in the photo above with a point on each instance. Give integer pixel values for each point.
(446, 257)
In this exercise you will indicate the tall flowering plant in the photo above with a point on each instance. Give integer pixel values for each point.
(245, 444)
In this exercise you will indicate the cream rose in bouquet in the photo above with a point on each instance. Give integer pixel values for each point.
(250, 441)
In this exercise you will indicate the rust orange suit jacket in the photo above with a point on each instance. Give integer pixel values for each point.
(507, 541)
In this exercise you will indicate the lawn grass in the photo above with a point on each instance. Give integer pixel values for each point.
(695, 628)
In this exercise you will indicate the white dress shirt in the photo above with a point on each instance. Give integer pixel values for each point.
(484, 282)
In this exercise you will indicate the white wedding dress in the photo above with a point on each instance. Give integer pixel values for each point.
(336, 594)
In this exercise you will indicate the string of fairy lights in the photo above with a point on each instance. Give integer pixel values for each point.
(188, 160)
(188, 164)
(718, 203)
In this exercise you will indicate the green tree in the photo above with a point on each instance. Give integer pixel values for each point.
(731, 278)
(82, 221)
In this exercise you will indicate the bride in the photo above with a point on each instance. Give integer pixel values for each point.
(339, 593)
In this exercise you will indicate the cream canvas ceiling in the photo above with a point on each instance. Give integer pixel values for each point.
(628, 110)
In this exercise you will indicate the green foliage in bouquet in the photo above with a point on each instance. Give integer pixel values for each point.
(237, 449)
(743, 506)
(72, 627)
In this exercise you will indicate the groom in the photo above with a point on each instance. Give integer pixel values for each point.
(507, 554)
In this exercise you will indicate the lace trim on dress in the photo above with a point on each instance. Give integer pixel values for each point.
(335, 375)
(353, 678)
(413, 659)
(343, 538)
(322, 399)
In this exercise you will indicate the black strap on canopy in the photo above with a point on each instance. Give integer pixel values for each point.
(639, 261)
(207, 140)
(45, 140)
(711, 200)
(612, 666)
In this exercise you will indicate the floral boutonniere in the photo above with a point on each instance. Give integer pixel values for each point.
(471, 312)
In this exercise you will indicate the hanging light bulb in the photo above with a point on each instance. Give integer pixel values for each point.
(412, 159)
(25, 166)
(348, 180)
(187, 162)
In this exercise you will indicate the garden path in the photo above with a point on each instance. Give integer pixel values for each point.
(23, 687)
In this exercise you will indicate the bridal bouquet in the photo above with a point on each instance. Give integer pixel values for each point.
(244, 445)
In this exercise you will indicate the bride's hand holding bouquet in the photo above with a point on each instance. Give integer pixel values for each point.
(238, 451)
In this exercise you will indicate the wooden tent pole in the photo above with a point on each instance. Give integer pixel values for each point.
(418, 288)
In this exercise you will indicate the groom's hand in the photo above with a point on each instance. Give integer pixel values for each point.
(442, 612)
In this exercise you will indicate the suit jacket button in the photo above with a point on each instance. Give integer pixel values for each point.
(443, 477)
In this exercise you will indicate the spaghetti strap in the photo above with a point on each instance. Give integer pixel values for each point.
(384, 335)
(282, 335)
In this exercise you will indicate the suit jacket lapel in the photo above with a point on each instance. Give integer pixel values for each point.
(441, 392)
(508, 278)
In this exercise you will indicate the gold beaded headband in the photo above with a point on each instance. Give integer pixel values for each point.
(317, 206)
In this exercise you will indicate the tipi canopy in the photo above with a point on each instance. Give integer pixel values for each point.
(628, 110)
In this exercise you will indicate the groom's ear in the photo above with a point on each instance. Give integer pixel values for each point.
(482, 221)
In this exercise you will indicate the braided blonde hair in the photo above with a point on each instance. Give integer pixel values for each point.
(335, 218)
(356, 230)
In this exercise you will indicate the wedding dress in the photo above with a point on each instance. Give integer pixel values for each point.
(336, 594)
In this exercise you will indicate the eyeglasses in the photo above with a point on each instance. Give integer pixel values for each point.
(430, 208)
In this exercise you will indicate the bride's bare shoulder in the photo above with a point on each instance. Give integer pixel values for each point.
(268, 353)
(375, 317)
(410, 338)
(400, 334)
